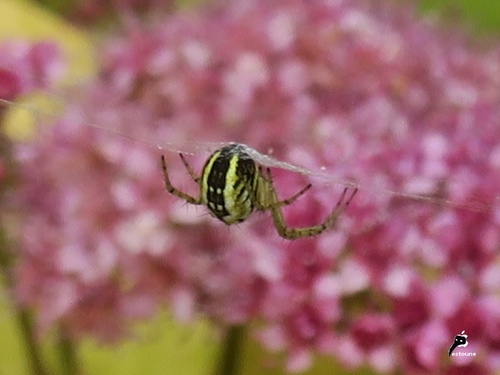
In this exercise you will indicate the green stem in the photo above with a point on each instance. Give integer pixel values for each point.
(231, 353)
(67, 353)
(23, 317)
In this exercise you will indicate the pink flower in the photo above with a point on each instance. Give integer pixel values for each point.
(368, 94)
(372, 331)
(26, 66)
(9, 84)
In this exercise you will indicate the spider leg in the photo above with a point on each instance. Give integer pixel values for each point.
(189, 169)
(173, 190)
(339, 208)
(294, 233)
(277, 203)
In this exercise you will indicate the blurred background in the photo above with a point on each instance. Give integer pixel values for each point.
(159, 344)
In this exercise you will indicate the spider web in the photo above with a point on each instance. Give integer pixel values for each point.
(196, 147)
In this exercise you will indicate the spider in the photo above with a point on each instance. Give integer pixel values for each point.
(232, 185)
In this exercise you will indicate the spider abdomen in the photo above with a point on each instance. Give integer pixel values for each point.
(228, 184)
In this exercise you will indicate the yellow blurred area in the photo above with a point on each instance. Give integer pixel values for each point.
(157, 347)
(21, 117)
(24, 20)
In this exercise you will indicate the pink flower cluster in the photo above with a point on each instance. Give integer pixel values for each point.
(26, 66)
(367, 93)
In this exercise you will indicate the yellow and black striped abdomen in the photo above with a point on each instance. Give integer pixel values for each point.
(228, 184)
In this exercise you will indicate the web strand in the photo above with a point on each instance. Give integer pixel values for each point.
(195, 147)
